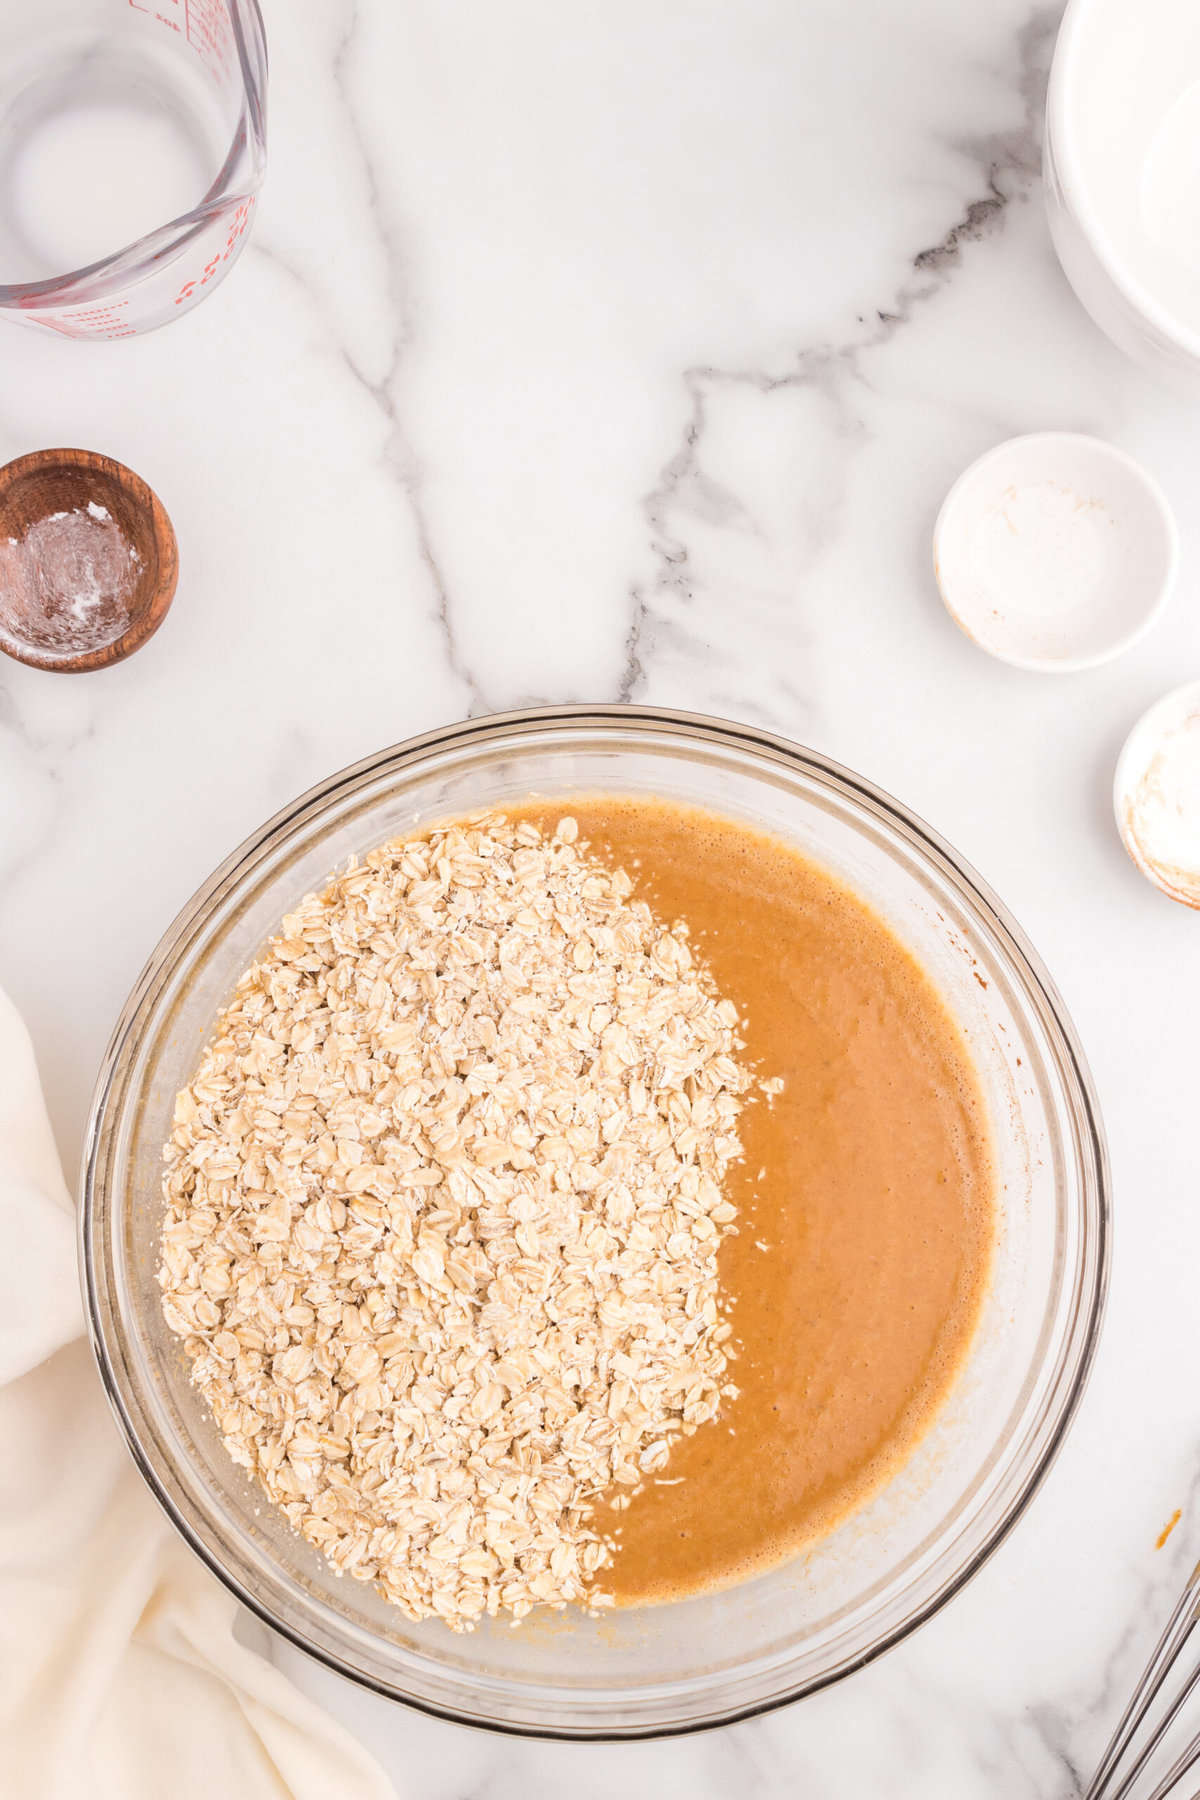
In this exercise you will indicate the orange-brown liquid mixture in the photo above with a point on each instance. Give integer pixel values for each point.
(875, 1203)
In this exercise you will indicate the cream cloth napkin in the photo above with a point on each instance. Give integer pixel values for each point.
(120, 1676)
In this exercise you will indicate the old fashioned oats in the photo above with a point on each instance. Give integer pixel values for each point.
(443, 1205)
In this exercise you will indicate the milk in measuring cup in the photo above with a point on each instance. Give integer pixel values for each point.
(132, 147)
(102, 142)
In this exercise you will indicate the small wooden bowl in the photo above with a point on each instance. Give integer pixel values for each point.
(47, 482)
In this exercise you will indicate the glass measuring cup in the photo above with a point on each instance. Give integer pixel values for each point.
(132, 146)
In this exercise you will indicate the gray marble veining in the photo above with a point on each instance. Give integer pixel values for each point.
(629, 352)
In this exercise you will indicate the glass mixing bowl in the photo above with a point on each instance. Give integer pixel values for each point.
(717, 1657)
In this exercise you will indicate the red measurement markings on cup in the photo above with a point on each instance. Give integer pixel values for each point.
(203, 23)
(237, 228)
(91, 321)
(209, 33)
(172, 14)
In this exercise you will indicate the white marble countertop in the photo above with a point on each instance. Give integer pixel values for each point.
(585, 352)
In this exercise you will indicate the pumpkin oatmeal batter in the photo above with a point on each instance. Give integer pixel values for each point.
(866, 1201)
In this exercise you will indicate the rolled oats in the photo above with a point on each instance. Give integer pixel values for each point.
(444, 1199)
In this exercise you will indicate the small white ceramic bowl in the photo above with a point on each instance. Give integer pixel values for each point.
(1122, 111)
(1156, 794)
(1055, 552)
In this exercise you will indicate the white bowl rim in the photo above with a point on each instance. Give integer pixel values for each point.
(1061, 147)
(1132, 758)
(1067, 665)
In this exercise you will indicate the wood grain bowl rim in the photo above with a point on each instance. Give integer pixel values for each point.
(151, 615)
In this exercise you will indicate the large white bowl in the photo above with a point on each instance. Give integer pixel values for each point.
(1121, 67)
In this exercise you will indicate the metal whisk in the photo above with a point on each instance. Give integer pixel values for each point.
(1138, 1737)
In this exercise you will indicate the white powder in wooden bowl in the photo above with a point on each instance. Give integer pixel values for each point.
(68, 583)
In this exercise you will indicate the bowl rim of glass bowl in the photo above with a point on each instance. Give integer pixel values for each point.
(1084, 1301)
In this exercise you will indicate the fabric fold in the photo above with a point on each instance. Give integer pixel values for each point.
(120, 1674)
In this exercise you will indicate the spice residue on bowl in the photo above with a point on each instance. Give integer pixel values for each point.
(1055, 551)
(68, 583)
(1159, 807)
